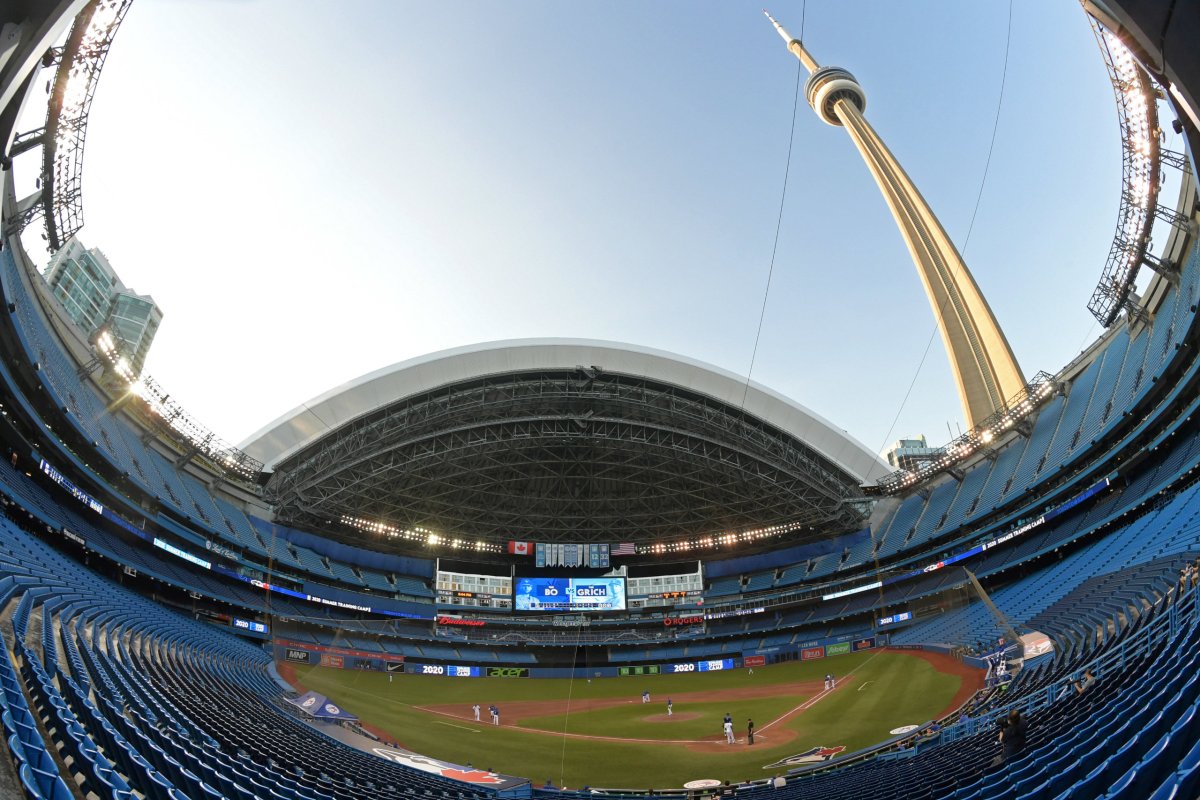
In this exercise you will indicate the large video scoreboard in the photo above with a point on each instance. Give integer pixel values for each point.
(570, 594)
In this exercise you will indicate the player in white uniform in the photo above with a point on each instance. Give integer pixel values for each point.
(475, 708)
(729, 733)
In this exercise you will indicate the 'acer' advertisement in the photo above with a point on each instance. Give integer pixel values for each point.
(508, 672)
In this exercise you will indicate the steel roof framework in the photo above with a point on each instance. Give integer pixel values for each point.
(563, 455)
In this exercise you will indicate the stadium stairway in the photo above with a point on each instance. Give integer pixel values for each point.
(1165, 532)
(1107, 602)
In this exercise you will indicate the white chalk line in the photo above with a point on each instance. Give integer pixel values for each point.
(812, 701)
(452, 725)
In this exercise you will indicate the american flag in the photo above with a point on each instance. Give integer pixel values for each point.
(623, 549)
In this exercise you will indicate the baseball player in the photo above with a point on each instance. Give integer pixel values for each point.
(669, 705)
(832, 681)
(495, 714)
(750, 731)
(646, 696)
(475, 708)
(729, 732)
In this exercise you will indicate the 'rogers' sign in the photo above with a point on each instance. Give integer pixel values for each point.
(671, 622)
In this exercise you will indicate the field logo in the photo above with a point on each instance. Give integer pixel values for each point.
(436, 767)
(903, 729)
(837, 649)
(813, 756)
(310, 702)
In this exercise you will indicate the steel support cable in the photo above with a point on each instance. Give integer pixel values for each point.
(762, 314)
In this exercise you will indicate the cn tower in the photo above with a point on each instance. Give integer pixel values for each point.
(984, 368)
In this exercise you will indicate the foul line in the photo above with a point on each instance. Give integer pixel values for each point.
(864, 685)
(452, 725)
(812, 701)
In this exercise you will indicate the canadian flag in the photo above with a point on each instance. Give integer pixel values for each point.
(519, 548)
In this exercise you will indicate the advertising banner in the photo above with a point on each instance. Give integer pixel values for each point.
(755, 661)
(342, 651)
(507, 672)
(867, 643)
(837, 649)
(810, 653)
(249, 625)
(449, 670)
(646, 669)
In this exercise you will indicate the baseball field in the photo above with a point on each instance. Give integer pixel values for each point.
(601, 734)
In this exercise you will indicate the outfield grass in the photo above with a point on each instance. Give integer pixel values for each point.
(888, 690)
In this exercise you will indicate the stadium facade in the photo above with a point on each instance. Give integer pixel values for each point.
(1076, 515)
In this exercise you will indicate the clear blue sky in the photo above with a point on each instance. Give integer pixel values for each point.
(313, 190)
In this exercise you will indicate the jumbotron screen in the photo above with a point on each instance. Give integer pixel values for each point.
(570, 594)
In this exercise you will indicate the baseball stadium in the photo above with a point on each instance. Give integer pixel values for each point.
(545, 568)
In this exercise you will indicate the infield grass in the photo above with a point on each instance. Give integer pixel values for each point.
(888, 689)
